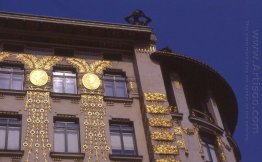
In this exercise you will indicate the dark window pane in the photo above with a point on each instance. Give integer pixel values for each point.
(58, 85)
(59, 142)
(70, 85)
(5, 81)
(72, 142)
(2, 137)
(13, 139)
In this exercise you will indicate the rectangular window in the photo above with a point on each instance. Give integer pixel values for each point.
(209, 149)
(10, 131)
(11, 78)
(66, 136)
(115, 85)
(122, 139)
(64, 82)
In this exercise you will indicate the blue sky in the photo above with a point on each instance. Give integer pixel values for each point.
(225, 34)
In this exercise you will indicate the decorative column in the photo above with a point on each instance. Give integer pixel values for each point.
(37, 104)
(92, 107)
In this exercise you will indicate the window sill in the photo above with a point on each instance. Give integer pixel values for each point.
(13, 92)
(66, 155)
(12, 153)
(126, 158)
(65, 95)
(118, 99)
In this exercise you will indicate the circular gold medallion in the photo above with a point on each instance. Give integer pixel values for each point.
(38, 77)
(91, 81)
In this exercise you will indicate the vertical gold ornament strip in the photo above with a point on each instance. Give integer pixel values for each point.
(38, 106)
(95, 138)
(220, 145)
(37, 139)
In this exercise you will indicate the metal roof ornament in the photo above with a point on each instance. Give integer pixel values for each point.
(138, 17)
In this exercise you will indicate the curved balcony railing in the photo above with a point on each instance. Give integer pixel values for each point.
(201, 115)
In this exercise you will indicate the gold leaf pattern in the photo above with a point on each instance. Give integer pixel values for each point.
(3, 55)
(80, 64)
(166, 149)
(98, 67)
(29, 60)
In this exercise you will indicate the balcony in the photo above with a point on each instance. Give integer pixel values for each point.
(205, 121)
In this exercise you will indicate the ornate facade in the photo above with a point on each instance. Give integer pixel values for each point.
(74, 90)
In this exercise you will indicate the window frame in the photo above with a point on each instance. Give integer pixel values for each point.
(66, 131)
(112, 78)
(121, 124)
(6, 128)
(64, 77)
(11, 71)
(206, 142)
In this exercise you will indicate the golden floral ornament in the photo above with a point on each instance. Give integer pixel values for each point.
(3, 55)
(166, 149)
(160, 122)
(33, 62)
(38, 77)
(158, 109)
(160, 97)
(167, 160)
(162, 135)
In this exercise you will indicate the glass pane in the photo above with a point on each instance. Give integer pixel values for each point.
(72, 142)
(59, 142)
(2, 137)
(13, 139)
(128, 141)
(58, 73)
(213, 155)
(17, 84)
(4, 81)
(109, 89)
(115, 141)
(205, 149)
(70, 85)
(58, 85)
(69, 73)
(120, 89)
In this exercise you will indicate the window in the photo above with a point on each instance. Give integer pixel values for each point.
(122, 139)
(209, 149)
(66, 136)
(64, 82)
(11, 78)
(115, 85)
(10, 130)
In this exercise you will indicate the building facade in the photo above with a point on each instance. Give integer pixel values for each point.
(73, 90)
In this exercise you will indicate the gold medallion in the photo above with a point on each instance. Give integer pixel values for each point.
(38, 77)
(91, 81)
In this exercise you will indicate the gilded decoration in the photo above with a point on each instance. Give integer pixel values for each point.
(93, 109)
(181, 144)
(166, 149)
(178, 130)
(167, 160)
(221, 153)
(158, 109)
(158, 97)
(91, 81)
(95, 144)
(38, 77)
(33, 62)
(160, 122)
(38, 105)
(37, 138)
(162, 135)
(4, 55)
